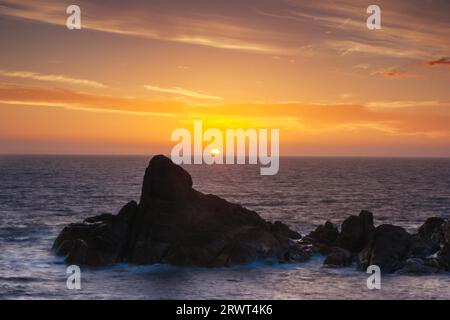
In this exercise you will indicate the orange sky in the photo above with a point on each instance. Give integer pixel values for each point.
(140, 69)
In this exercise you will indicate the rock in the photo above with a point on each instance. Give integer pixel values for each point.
(99, 240)
(282, 230)
(77, 252)
(422, 248)
(433, 261)
(416, 266)
(176, 224)
(325, 234)
(338, 258)
(444, 257)
(166, 181)
(299, 253)
(445, 232)
(356, 232)
(431, 229)
(387, 249)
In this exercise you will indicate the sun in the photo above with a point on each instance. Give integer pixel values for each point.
(215, 152)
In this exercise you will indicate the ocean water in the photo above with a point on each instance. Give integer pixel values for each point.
(39, 195)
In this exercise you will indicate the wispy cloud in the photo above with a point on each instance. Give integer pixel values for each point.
(395, 73)
(395, 50)
(72, 100)
(182, 92)
(426, 118)
(221, 27)
(264, 26)
(440, 62)
(51, 78)
(405, 34)
(424, 105)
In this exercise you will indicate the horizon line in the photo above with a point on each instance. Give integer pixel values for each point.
(281, 156)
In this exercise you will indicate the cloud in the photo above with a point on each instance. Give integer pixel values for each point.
(440, 62)
(51, 78)
(362, 66)
(72, 100)
(421, 118)
(395, 73)
(343, 26)
(182, 92)
(221, 26)
(393, 50)
(283, 27)
(410, 105)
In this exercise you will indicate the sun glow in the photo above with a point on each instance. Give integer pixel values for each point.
(215, 152)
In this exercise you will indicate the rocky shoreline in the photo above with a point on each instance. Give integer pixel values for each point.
(176, 224)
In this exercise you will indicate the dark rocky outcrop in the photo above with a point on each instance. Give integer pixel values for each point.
(175, 224)
(387, 249)
(431, 229)
(444, 257)
(445, 232)
(325, 234)
(416, 266)
(422, 248)
(100, 240)
(356, 232)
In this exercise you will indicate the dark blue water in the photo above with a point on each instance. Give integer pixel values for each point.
(41, 194)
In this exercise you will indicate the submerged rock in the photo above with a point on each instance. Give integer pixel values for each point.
(176, 224)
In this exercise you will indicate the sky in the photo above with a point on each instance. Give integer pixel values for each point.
(137, 70)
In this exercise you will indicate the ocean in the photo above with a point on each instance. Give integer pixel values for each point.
(39, 195)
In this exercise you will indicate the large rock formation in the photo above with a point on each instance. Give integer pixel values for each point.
(175, 224)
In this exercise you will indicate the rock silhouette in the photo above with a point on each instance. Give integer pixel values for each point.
(176, 224)
(390, 247)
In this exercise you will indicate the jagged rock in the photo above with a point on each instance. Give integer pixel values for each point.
(431, 229)
(99, 240)
(444, 257)
(445, 232)
(356, 232)
(433, 261)
(325, 234)
(338, 257)
(416, 266)
(282, 230)
(387, 249)
(175, 224)
(422, 248)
